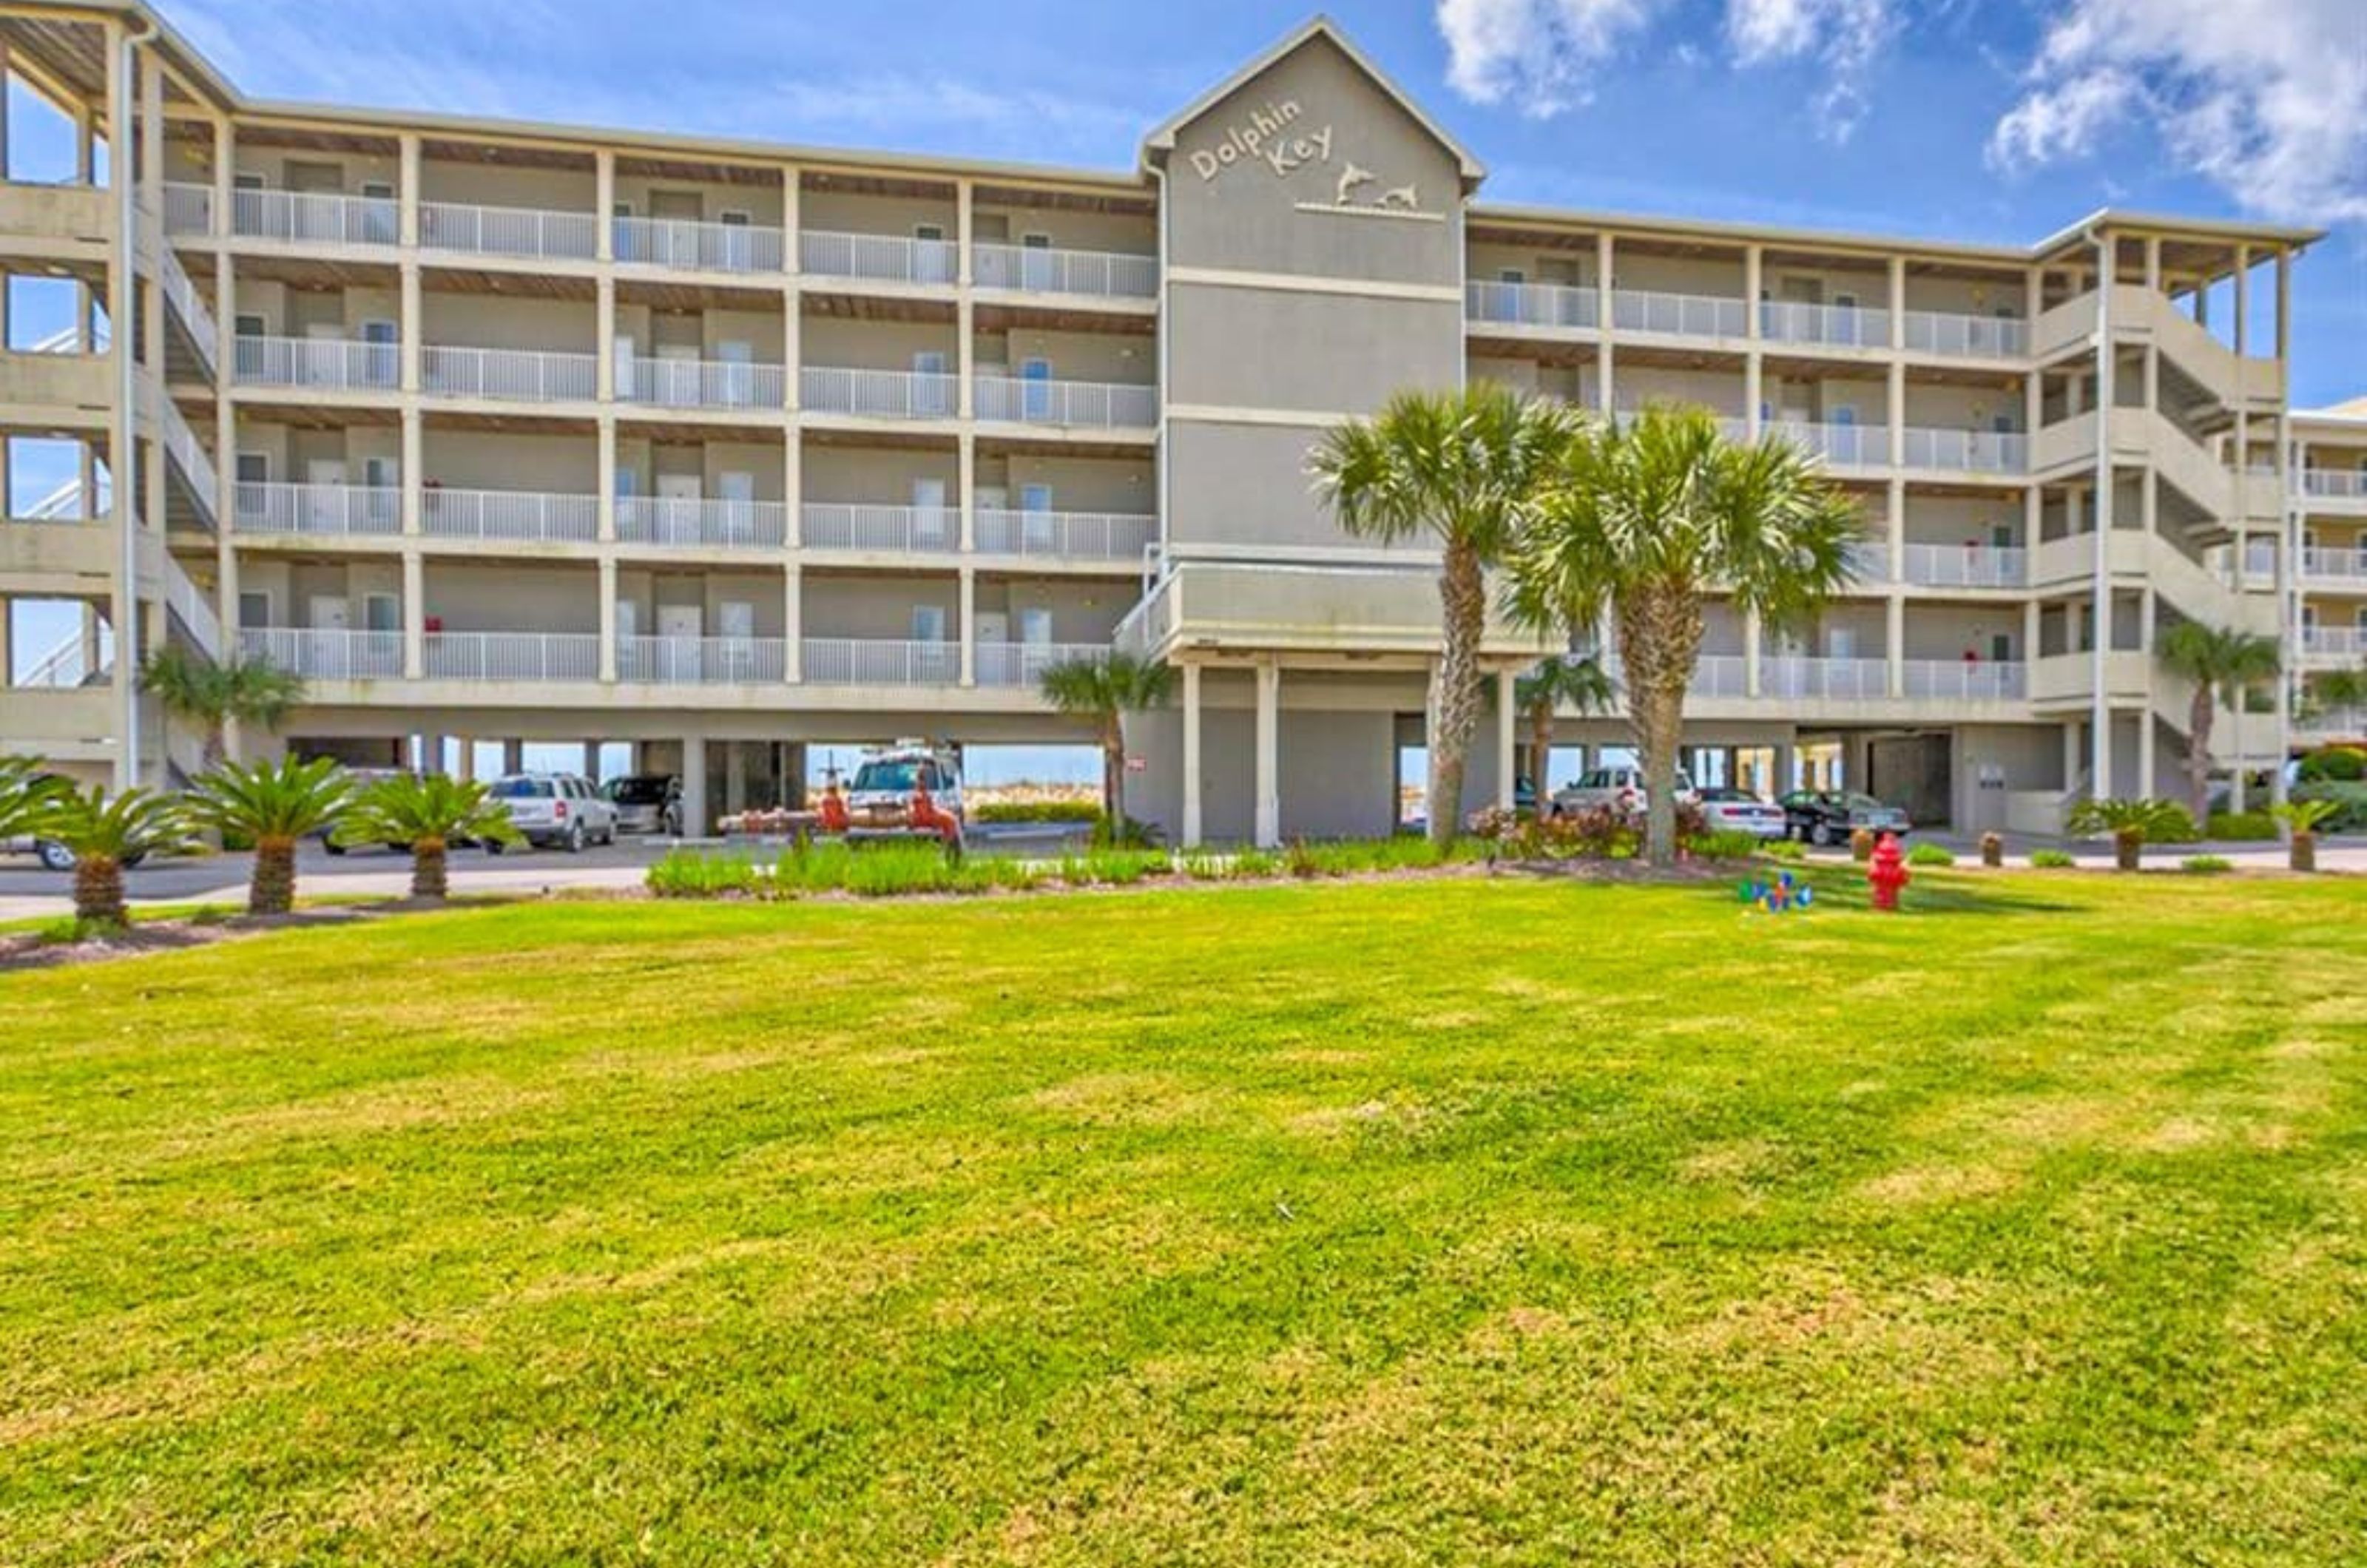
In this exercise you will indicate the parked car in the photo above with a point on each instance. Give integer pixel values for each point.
(1730, 810)
(53, 856)
(1830, 816)
(880, 797)
(555, 810)
(1617, 789)
(646, 803)
(362, 778)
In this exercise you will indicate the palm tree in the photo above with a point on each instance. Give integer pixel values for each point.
(210, 695)
(2224, 663)
(426, 814)
(1105, 689)
(1644, 520)
(275, 805)
(104, 834)
(26, 790)
(2132, 823)
(1461, 467)
(2302, 819)
(1575, 681)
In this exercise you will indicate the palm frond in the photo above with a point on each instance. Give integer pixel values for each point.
(286, 799)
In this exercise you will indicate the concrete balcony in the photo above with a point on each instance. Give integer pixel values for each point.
(2333, 645)
(890, 529)
(1024, 663)
(702, 383)
(1552, 306)
(2331, 566)
(1847, 680)
(1966, 681)
(188, 209)
(523, 232)
(1840, 446)
(1794, 323)
(63, 221)
(1955, 336)
(692, 246)
(512, 656)
(1679, 315)
(1966, 566)
(335, 510)
(1029, 269)
(508, 515)
(1072, 536)
(702, 661)
(886, 258)
(1098, 405)
(510, 375)
(878, 394)
(325, 655)
(700, 522)
(2333, 489)
(324, 364)
(315, 218)
(875, 661)
(1965, 451)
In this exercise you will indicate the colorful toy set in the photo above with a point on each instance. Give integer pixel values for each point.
(1780, 897)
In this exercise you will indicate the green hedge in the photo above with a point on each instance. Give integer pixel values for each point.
(2351, 797)
(1039, 811)
(2241, 825)
(2334, 764)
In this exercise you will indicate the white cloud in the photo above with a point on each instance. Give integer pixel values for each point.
(1536, 55)
(1844, 38)
(2266, 99)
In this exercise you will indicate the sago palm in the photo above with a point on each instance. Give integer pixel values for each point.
(1573, 681)
(105, 833)
(208, 695)
(2224, 663)
(26, 790)
(2131, 824)
(275, 805)
(426, 814)
(1105, 689)
(1645, 521)
(1458, 468)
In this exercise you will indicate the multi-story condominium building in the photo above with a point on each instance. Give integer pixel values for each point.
(724, 448)
(2329, 474)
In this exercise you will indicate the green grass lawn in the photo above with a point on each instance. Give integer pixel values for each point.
(1418, 1222)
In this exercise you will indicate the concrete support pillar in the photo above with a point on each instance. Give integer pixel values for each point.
(694, 786)
(2101, 763)
(603, 203)
(735, 778)
(464, 766)
(2030, 619)
(604, 505)
(793, 619)
(412, 326)
(967, 628)
(1898, 302)
(966, 481)
(604, 346)
(407, 194)
(2071, 750)
(2146, 749)
(415, 616)
(413, 476)
(608, 649)
(1895, 641)
(1269, 758)
(513, 756)
(1894, 535)
(792, 188)
(965, 313)
(792, 348)
(2284, 304)
(1754, 639)
(793, 487)
(1507, 733)
(1192, 818)
(1605, 310)
(1897, 397)
(2243, 300)
(1787, 764)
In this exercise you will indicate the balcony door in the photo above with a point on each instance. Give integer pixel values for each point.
(736, 488)
(679, 654)
(324, 494)
(1036, 518)
(930, 527)
(1036, 388)
(678, 508)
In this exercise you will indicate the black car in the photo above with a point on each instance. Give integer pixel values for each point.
(1830, 816)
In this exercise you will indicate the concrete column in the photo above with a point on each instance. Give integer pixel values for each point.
(1754, 265)
(604, 348)
(1507, 732)
(790, 189)
(226, 437)
(465, 768)
(966, 481)
(2284, 305)
(513, 756)
(2101, 763)
(414, 465)
(413, 326)
(1894, 637)
(1786, 764)
(604, 505)
(735, 778)
(1754, 638)
(2071, 755)
(792, 351)
(8, 617)
(1269, 768)
(2030, 620)
(2243, 300)
(225, 183)
(608, 649)
(2153, 264)
(793, 615)
(793, 487)
(2146, 749)
(407, 194)
(1898, 302)
(1191, 819)
(694, 786)
(1604, 272)
(122, 453)
(415, 614)
(965, 319)
(1894, 535)
(603, 203)
(1897, 399)
(967, 628)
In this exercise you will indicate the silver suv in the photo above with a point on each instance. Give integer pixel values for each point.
(556, 810)
(1615, 789)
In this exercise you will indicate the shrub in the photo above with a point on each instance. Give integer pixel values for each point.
(2052, 860)
(1727, 843)
(2334, 764)
(1077, 811)
(1992, 849)
(2241, 826)
(689, 873)
(1784, 849)
(1132, 834)
(1252, 865)
(2207, 865)
(1929, 855)
(2349, 799)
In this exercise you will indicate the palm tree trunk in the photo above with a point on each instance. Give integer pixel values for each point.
(1114, 780)
(427, 878)
(272, 890)
(98, 891)
(2198, 753)
(1463, 596)
(2128, 850)
(1660, 637)
(1541, 728)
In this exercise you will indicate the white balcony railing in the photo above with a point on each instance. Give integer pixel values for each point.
(2343, 722)
(878, 394)
(1966, 451)
(330, 364)
(325, 655)
(507, 230)
(1678, 315)
(317, 218)
(702, 661)
(1024, 663)
(2338, 565)
(701, 383)
(507, 514)
(509, 375)
(692, 521)
(512, 655)
(2334, 484)
(1967, 566)
(1840, 445)
(696, 246)
(1076, 535)
(1029, 269)
(1840, 326)
(1531, 304)
(1971, 337)
(188, 455)
(181, 294)
(2337, 642)
(1964, 680)
(862, 525)
(891, 258)
(1099, 404)
(1842, 679)
(329, 509)
(194, 611)
(188, 209)
(1719, 675)
(870, 662)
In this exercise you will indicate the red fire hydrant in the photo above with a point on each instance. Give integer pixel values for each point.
(833, 809)
(1887, 873)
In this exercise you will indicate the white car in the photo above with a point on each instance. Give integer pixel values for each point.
(556, 810)
(1739, 811)
(881, 799)
(1615, 789)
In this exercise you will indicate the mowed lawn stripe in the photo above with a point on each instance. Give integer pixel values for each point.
(1450, 1220)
